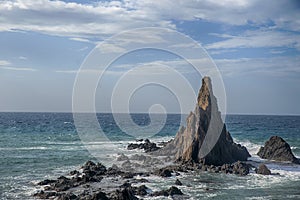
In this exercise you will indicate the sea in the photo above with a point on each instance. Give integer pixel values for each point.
(38, 146)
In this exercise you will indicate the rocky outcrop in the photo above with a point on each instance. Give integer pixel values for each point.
(205, 138)
(263, 169)
(88, 184)
(169, 192)
(146, 145)
(277, 149)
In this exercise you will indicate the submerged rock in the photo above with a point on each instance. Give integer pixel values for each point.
(277, 149)
(178, 182)
(263, 169)
(204, 126)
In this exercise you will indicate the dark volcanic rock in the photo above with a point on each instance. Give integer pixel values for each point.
(169, 192)
(99, 196)
(46, 182)
(67, 196)
(124, 194)
(178, 182)
(164, 172)
(277, 149)
(92, 169)
(146, 145)
(141, 191)
(44, 195)
(240, 168)
(263, 169)
(205, 139)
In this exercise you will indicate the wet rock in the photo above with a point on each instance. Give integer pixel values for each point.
(62, 184)
(67, 196)
(141, 190)
(164, 172)
(263, 169)
(147, 146)
(128, 175)
(122, 157)
(113, 170)
(74, 172)
(44, 195)
(46, 182)
(123, 194)
(277, 149)
(169, 192)
(92, 169)
(138, 157)
(240, 168)
(178, 182)
(99, 196)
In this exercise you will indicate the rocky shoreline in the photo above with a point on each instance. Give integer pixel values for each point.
(95, 181)
(184, 154)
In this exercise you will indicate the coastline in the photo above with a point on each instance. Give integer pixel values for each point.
(71, 155)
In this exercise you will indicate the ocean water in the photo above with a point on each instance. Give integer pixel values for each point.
(36, 146)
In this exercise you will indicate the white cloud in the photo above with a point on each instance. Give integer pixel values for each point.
(4, 63)
(73, 19)
(80, 39)
(18, 68)
(274, 66)
(110, 17)
(23, 58)
(258, 38)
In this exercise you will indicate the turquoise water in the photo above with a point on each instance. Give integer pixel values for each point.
(35, 146)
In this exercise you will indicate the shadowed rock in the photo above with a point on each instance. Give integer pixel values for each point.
(169, 192)
(263, 169)
(277, 149)
(178, 182)
(205, 139)
(146, 145)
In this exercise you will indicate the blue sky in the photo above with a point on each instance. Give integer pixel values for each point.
(255, 44)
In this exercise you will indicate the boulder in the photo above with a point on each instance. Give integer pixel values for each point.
(240, 168)
(163, 172)
(146, 145)
(141, 190)
(263, 169)
(277, 149)
(169, 192)
(205, 138)
(124, 194)
(178, 182)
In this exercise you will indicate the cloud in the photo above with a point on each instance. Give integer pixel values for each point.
(258, 38)
(105, 18)
(80, 39)
(18, 68)
(23, 58)
(4, 63)
(73, 19)
(275, 66)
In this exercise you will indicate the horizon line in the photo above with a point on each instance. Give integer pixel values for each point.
(171, 113)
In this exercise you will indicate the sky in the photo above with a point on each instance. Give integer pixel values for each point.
(255, 45)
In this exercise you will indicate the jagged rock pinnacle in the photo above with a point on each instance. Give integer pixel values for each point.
(204, 93)
(205, 138)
